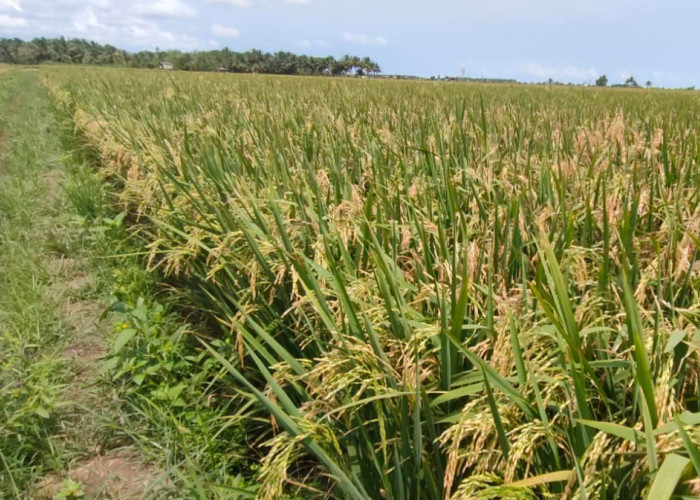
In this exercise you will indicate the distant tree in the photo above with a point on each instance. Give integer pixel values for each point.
(602, 81)
(79, 51)
(631, 82)
(648, 84)
(369, 66)
(28, 53)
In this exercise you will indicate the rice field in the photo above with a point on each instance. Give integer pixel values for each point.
(424, 290)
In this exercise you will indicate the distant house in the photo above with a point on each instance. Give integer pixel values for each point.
(221, 69)
(166, 65)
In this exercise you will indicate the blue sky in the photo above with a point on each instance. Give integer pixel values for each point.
(530, 40)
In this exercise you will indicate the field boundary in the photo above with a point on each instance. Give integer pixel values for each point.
(48, 271)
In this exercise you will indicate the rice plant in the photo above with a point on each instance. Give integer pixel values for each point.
(434, 290)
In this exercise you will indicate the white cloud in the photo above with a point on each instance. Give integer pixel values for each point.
(362, 39)
(239, 4)
(312, 43)
(148, 34)
(60, 5)
(132, 26)
(224, 31)
(101, 4)
(298, 2)
(663, 79)
(213, 43)
(164, 8)
(109, 27)
(10, 22)
(569, 73)
(11, 4)
(87, 20)
(539, 9)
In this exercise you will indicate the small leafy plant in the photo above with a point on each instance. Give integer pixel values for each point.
(161, 372)
(70, 490)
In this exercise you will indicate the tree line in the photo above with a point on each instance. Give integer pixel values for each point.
(79, 51)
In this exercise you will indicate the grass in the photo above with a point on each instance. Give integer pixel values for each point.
(66, 403)
(422, 290)
(33, 370)
(160, 385)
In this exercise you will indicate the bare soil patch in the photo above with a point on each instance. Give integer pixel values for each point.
(118, 474)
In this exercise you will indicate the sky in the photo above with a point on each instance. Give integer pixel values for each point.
(529, 40)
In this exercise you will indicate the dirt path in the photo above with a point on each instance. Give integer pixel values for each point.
(57, 434)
